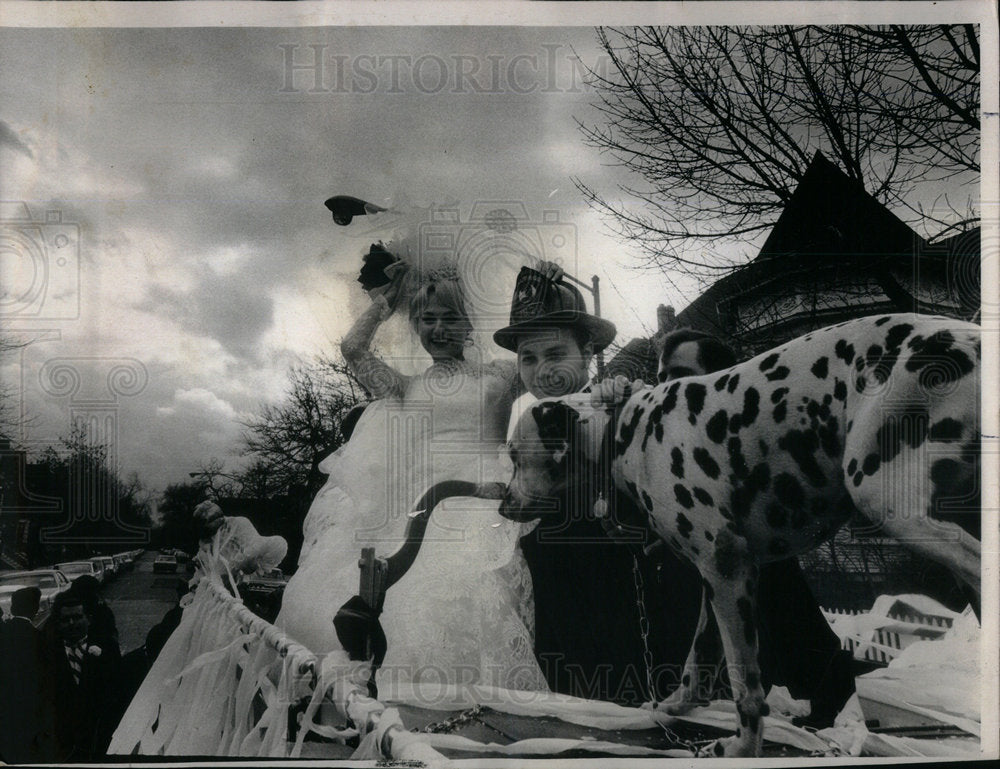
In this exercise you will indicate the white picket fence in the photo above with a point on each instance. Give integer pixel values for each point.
(879, 636)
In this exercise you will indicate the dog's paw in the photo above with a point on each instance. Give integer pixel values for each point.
(679, 703)
(728, 747)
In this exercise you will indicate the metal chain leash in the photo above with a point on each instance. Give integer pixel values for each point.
(647, 657)
(449, 725)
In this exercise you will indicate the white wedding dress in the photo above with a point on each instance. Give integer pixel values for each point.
(462, 613)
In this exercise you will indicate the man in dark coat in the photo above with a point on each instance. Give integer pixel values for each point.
(590, 640)
(25, 714)
(82, 675)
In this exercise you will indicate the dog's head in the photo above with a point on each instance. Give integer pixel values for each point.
(555, 444)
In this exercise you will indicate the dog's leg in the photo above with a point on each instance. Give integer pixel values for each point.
(701, 667)
(733, 579)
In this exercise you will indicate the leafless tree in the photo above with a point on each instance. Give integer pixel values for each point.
(287, 441)
(718, 125)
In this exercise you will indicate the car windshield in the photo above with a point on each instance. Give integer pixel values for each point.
(27, 579)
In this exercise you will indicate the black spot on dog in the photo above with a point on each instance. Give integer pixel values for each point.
(751, 406)
(762, 445)
(734, 423)
(686, 680)
(909, 429)
(677, 462)
(647, 501)
(709, 536)
(858, 478)
(944, 470)
(820, 368)
(840, 390)
(778, 374)
(734, 382)
(780, 411)
(727, 554)
(715, 428)
(684, 526)
(695, 394)
(626, 432)
(778, 394)
(703, 496)
(705, 461)
(799, 518)
(658, 432)
(844, 351)
(737, 461)
(720, 383)
(829, 439)
(651, 424)
(897, 335)
(801, 447)
(852, 467)
(939, 361)
(683, 496)
(947, 429)
(776, 515)
(788, 490)
(871, 464)
(882, 321)
(769, 361)
(873, 355)
(670, 398)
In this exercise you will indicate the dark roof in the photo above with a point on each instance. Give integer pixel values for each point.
(829, 224)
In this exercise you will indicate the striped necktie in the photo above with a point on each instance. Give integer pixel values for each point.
(75, 656)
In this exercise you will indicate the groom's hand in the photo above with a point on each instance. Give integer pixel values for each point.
(614, 391)
(551, 271)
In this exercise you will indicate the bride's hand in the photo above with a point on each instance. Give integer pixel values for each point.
(391, 291)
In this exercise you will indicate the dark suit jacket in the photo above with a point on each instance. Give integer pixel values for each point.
(588, 639)
(85, 713)
(26, 727)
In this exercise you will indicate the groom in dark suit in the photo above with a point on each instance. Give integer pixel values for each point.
(82, 679)
(589, 638)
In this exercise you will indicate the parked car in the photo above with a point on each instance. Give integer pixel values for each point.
(107, 567)
(122, 562)
(75, 569)
(50, 581)
(181, 556)
(167, 563)
(109, 564)
(262, 593)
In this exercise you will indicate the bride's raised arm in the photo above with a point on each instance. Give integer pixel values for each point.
(375, 375)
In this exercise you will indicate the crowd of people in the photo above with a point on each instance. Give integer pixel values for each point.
(65, 684)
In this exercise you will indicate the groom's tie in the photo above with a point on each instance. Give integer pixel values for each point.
(74, 653)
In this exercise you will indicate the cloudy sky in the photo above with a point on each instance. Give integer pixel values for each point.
(180, 174)
(170, 254)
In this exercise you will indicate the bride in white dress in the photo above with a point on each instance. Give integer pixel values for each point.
(460, 615)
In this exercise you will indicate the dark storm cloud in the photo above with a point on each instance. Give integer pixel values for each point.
(234, 310)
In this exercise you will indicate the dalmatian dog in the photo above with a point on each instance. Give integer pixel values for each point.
(767, 459)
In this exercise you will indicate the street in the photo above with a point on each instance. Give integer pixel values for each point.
(139, 599)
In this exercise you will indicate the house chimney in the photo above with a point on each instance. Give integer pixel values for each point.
(665, 319)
